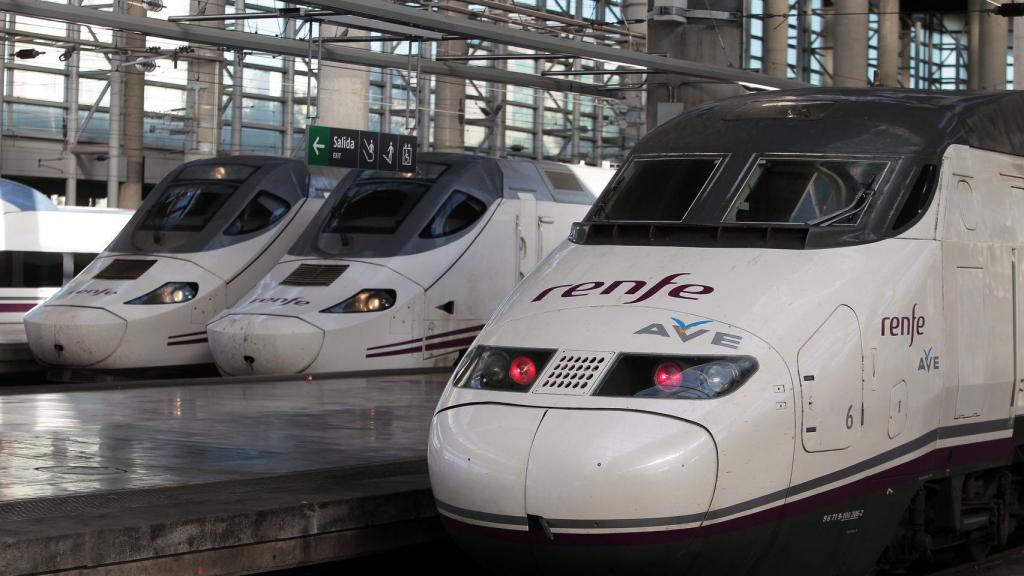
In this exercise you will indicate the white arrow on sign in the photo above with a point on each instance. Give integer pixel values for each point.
(317, 146)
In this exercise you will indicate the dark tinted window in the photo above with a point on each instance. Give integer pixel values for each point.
(659, 189)
(263, 211)
(425, 171)
(375, 207)
(230, 172)
(802, 191)
(566, 187)
(564, 180)
(459, 211)
(83, 259)
(186, 207)
(31, 269)
(919, 197)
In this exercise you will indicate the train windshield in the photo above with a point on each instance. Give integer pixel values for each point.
(377, 214)
(812, 192)
(186, 206)
(210, 204)
(378, 202)
(656, 189)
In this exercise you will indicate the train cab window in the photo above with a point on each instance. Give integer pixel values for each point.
(425, 171)
(226, 172)
(918, 198)
(655, 189)
(375, 206)
(566, 188)
(186, 207)
(459, 211)
(798, 191)
(262, 211)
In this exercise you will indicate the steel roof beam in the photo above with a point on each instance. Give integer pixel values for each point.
(471, 28)
(261, 43)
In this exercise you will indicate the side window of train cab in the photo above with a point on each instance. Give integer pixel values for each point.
(458, 212)
(261, 212)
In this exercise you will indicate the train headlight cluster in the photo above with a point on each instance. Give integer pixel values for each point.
(370, 300)
(511, 369)
(169, 293)
(693, 378)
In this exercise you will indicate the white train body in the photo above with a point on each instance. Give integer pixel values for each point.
(421, 261)
(809, 354)
(43, 246)
(208, 232)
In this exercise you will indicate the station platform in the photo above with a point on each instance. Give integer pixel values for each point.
(219, 476)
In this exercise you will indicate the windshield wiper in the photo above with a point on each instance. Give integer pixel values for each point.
(858, 204)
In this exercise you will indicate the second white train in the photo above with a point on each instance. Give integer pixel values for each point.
(401, 271)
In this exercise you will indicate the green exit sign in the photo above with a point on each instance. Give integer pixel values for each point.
(345, 148)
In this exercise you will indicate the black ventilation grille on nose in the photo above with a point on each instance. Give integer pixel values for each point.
(125, 269)
(573, 372)
(314, 275)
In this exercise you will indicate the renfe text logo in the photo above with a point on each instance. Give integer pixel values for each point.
(684, 291)
(280, 301)
(912, 325)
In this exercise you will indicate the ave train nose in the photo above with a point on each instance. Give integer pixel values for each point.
(258, 343)
(525, 494)
(73, 336)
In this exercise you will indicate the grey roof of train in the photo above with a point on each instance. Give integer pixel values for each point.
(860, 120)
(22, 197)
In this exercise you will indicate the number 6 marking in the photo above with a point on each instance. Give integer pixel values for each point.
(849, 417)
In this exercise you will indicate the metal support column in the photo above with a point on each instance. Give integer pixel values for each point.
(575, 99)
(888, 43)
(289, 95)
(804, 39)
(1018, 52)
(237, 74)
(496, 102)
(71, 122)
(204, 88)
(851, 43)
(450, 101)
(994, 40)
(776, 38)
(423, 100)
(635, 12)
(134, 122)
(974, 8)
(905, 60)
(343, 90)
(116, 105)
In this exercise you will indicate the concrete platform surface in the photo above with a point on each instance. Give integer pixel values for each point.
(164, 479)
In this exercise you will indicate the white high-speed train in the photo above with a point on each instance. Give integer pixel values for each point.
(43, 246)
(200, 240)
(788, 339)
(401, 271)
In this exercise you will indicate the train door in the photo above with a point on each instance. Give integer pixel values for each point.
(978, 288)
(530, 251)
(832, 383)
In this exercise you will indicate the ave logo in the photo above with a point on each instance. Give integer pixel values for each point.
(928, 361)
(689, 332)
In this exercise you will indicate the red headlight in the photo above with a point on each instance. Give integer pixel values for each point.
(523, 371)
(668, 376)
